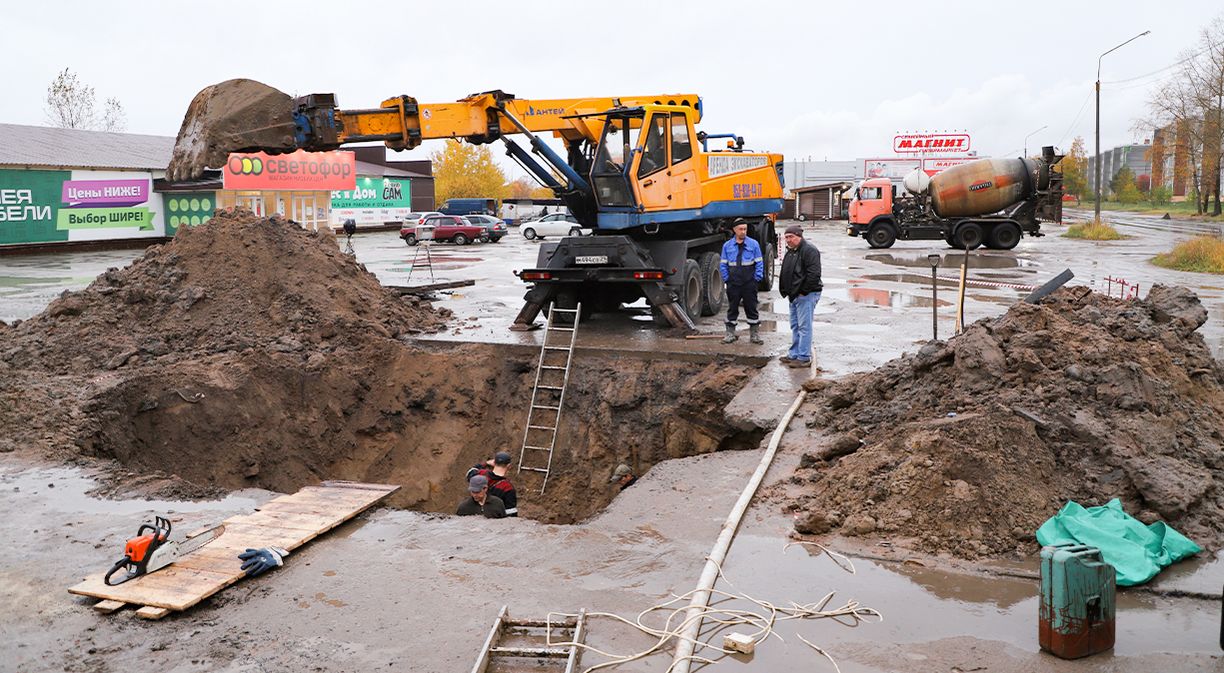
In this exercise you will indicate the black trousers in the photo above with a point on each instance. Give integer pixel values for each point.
(746, 293)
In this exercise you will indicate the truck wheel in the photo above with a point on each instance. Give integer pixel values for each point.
(881, 235)
(1004, 236)
(459, 239)
(968, 236)
(714, 292)
(690, 289)
(769, 251)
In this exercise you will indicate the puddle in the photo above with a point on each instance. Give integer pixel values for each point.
(67, 490)
(924, 604)
(953, 260)
(880, 297)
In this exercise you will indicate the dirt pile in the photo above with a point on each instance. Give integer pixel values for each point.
(968, 446)
(235, 283)
(250, 353)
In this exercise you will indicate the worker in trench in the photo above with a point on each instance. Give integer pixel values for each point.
(480, 502)
(800, 283)
(623, 476)
(742, 266)
(497, 470)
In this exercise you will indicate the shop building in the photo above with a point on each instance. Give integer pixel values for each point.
(71, 187)
(68, 186)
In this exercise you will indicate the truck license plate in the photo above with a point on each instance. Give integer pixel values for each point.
(591, 259)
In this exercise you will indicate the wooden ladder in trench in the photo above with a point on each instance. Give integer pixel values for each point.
(497, 649)
(548, 394)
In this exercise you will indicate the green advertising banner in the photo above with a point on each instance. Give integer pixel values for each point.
(375, 193)
(188, 209)
(105, 218)
(29, 206)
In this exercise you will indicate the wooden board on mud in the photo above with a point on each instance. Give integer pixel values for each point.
(287, 521)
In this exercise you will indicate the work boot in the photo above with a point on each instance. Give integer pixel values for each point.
(730, 338)
(754, 334)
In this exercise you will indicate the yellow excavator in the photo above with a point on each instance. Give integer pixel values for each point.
(635, 171)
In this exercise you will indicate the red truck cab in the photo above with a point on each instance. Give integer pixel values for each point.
(872, 199)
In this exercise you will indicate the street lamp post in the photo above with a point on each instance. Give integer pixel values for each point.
(1030, 136)
(1097, 170)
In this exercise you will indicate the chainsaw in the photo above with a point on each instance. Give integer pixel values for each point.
(152, 549)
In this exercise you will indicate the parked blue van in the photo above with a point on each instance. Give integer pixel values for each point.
(468, 206)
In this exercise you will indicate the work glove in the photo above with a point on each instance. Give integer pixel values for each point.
(259, 561)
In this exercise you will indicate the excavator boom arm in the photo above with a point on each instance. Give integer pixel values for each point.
(244, 115)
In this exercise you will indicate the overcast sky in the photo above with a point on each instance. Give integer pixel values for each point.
(808, 79)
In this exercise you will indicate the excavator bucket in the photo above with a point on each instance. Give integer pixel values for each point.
(237, 115)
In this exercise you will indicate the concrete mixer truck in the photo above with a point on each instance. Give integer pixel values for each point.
(991, 202)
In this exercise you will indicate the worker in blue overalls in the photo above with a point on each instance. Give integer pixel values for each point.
(742, 267)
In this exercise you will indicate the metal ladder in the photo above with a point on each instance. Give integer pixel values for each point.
(534, 451)
(523, 628)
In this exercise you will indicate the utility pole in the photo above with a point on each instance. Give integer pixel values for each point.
(1097, 160)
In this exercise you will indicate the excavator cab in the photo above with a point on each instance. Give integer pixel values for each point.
(645, 160)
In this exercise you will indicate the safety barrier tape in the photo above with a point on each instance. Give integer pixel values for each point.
(988, 283)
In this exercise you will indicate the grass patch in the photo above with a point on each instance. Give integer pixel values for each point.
(1094, 231)
(1204, 254)
(1176, 209)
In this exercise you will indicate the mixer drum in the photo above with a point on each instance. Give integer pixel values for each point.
(982, 187)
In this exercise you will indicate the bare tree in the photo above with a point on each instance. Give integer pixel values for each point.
(114, 119)
(72, 104)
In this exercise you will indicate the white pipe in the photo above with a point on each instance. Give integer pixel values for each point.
(701, 598)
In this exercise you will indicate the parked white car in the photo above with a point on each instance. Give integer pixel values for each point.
(414, 219)
(557, 224)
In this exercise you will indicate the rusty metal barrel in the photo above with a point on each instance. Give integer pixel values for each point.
(985, 186)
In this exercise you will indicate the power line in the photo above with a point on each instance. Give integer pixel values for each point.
(1189, 58)
(1076, 120)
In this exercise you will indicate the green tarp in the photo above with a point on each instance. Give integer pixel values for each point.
(1137, 552)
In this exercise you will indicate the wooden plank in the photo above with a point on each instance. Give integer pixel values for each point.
(107, 607)
(150, 612)
(288, 521)
(307, 520)
(421, 289)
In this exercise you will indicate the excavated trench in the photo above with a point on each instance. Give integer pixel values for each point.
(418, 416)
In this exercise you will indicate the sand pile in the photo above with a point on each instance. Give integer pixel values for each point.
(237, 282)
(967, 446)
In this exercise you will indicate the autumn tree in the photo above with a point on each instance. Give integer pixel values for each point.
(72, 104)
(1191, 103)
(1075, 169)
(463, 170)
(520, 188)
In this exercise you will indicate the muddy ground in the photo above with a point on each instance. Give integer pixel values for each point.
(417, 590)
(967, 445)
(250, 353)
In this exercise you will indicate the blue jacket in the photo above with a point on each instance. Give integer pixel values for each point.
(737, 272)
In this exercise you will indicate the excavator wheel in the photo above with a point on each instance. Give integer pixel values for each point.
(713, 291)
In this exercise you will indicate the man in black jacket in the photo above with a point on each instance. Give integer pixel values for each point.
(800, 283)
